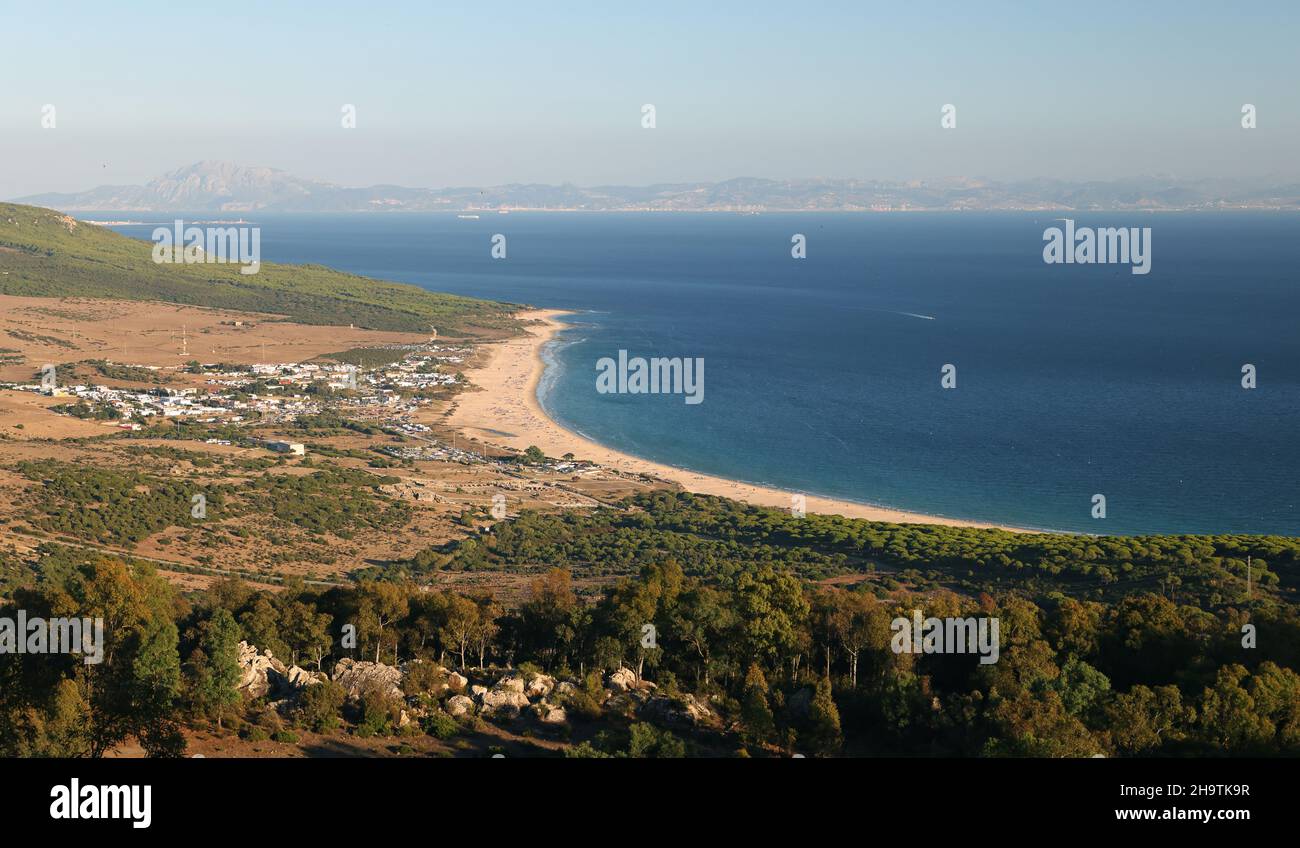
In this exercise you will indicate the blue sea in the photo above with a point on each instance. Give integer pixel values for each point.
(822, 375)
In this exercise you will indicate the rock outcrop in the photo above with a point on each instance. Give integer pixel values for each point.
(258, 672)
(549, 713)
(459, 705)
(685, 711)
(357, 677)
(539, 686)
(621, 680)
(513, 682)
(297, 679)
(506, 699)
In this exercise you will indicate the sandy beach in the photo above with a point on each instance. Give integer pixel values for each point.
(504, 411)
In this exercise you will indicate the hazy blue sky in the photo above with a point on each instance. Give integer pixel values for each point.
(474, 93)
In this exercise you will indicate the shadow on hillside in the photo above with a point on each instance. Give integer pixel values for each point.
(327, 748)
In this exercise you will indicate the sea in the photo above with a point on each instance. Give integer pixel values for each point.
(929, 362)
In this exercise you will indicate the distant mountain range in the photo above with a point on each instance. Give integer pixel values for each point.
(227, 187)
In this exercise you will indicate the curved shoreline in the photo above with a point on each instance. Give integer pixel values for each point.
(507, 412)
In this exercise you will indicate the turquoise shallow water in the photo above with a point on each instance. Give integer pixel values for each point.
(823, 375)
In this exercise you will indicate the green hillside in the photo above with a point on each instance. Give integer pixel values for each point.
(44, 253)
(714, 537)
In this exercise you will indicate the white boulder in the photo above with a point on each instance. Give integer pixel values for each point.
(539, 686)
(512, 682)
(459, 705)
(549, 713)
(357, 677)
(505, 703)
(258, 672)
(685, 711)
(621, 679)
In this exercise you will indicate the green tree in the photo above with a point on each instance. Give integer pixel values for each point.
(155, 686)
(459, 624)
(261, 627)
(700, 623)
(381, 605)
(1080, 686)
(772, 616)
(307, 632)
(485, 628)
(648, 741)
(129, 692)
(59, 730)
(1037, 725)
(215, 666)
(1144, 719)
(1229, 719)
(319, 705)
(547, 617)
(823, 733)
(755, 715)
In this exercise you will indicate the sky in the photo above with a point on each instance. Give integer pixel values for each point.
(485, 94)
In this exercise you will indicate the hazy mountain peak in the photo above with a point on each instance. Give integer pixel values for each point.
(227, 186)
